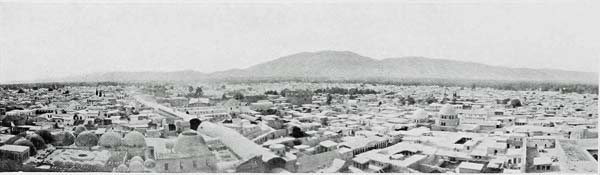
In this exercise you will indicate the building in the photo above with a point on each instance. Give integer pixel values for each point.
(447, 119)
(15, 153)
(189, 153)
(469, 167)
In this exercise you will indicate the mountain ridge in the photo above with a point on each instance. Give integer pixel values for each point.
(347, 65)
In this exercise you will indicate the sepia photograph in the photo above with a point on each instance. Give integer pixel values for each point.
(299, 86)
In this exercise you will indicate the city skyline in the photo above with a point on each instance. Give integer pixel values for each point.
(301, 86)
(59, 40)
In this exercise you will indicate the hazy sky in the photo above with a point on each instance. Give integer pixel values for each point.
(59, 39)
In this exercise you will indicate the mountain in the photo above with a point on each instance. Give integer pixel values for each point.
(330, 64)
(345, 65)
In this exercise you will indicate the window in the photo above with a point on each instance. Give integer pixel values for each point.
(166, 167)
(194, 164)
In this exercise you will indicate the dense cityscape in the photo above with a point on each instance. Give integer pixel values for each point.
(297, 127)
(299, 86)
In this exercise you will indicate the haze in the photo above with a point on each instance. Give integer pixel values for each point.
(44, 40)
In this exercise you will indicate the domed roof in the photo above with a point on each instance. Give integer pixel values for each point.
(110, 139)
(418, 114)
(136, 159)
(86, 139)
(189, 142)
(63, 138)
(79, 129)
(149, 163)
(136, 167)
(122, 168)
(135, 139)
(447, 109)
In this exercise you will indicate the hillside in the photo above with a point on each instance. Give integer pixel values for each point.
(345, 65)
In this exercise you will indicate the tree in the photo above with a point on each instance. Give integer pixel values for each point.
(297, 132)
(37, 141)
(46, 135)
(515, 103)
(328, 102)
(271, 92)
(352, 97)
(297, 142)
(190, 89)
(238, 96)
(64, 138)
(431, 99)
(410, 100)
(401, 100)
(199, 92)
(194, 123)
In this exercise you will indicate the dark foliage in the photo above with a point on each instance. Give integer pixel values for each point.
(37, 141)
(515, 103)
(297, 132)
(271, 92)
(46, 135)
(24, 142)
(194, 123)
(410, 100)
(238, 96)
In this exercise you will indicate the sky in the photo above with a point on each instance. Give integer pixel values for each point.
(57, 39)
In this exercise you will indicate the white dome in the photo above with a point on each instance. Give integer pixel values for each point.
(110, 139)
(136, 159)
(136, 167)
(189, 142)
(86, 139)
(122, 168)
(149, 163)
(135, 139)
(448, 110)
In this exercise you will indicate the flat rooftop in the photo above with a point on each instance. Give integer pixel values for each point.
(471, 166)
(14, 148)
